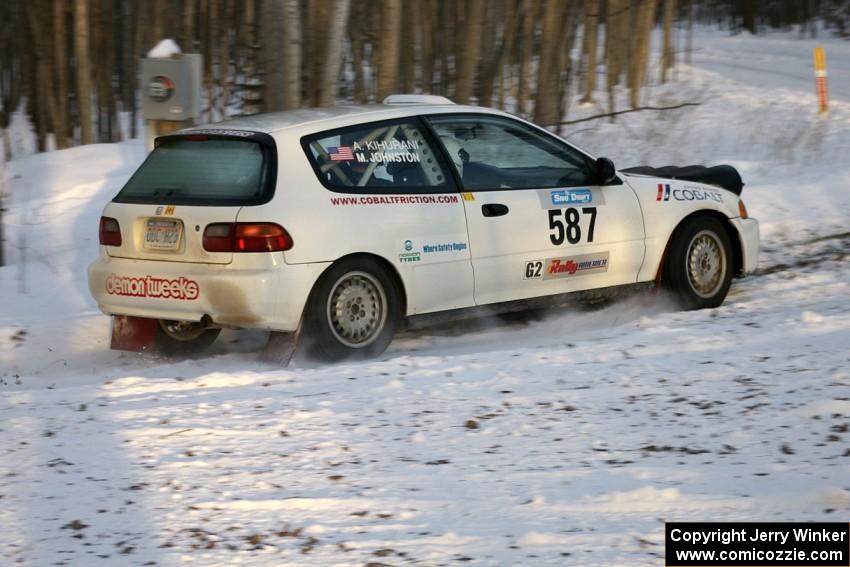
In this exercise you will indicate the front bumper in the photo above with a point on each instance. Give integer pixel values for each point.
(748, 230)
(257, 291)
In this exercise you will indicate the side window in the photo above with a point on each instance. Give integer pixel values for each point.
(383, 157)
(492, 153)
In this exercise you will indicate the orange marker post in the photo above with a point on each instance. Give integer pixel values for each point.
(820, 79)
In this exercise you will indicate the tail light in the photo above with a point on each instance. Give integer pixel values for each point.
(246, 237)
(110, 232)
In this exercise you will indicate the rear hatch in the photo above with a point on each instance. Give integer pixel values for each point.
(189, 181)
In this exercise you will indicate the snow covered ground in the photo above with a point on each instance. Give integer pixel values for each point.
(567, 441)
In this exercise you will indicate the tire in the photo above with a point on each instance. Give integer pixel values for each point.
(698, 268)
(179, 338)
(353, 311)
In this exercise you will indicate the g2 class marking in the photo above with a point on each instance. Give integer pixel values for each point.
(533, 270)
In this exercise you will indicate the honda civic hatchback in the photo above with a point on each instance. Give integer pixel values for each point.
(342, 224)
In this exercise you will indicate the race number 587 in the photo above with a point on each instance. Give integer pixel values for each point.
(566, 224)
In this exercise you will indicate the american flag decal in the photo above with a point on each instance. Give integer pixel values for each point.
(340, 153)
(663, 192)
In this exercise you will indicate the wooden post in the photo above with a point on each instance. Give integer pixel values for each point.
(820, 79)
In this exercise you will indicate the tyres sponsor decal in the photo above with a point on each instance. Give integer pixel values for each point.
(570, 196)
(444, 247)
(395, 200)
(149, 286)
(566, 267)
(409, 255)
(686, 193)
(435, 248)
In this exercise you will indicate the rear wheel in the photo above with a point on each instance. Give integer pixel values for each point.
(698, 269)
(183, 338)
(353, 312)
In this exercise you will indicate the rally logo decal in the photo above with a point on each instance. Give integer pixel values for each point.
(565, 267)
(149, 286)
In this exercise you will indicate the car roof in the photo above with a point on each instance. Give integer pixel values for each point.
(327, 117)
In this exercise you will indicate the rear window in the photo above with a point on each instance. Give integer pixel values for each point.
(203, 171)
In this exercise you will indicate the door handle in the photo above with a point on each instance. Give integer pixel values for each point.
(494, 210)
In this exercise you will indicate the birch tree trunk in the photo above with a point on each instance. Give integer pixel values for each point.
(591, 24)
(506, 75)
(333, 54)
(291, 55)
(526, 47)
(667, 53)
(640, 54)
(81, 51)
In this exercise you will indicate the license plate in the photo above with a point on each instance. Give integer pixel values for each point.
(163, 234)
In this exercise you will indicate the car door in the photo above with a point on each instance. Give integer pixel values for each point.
(538, 221)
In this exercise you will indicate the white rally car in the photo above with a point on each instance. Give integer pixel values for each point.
(344, 223)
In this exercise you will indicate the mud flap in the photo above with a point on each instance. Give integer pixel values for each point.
(281, 347)
(136, 334)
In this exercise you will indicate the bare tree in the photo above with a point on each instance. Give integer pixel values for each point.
(591, 22)
(426, 19)
(407, 47)
(291, 54)
(467, 60)
(547, 103)
(81, 53)
(187, 41)
(640, 53)
(526, 49)
(59, 70)
(667, 53)
(506, 56)
(357, 36)
(333, 54)
(388, 47)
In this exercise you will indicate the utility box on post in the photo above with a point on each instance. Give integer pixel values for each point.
(171, 90)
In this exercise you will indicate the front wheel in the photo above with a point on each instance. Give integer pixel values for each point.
(698, 269)
(353, 312)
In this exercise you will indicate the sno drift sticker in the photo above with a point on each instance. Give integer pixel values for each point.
(556, 198)
(149, 286)
(571, 197)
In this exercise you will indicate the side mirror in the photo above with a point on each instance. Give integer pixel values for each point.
(605, 171)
